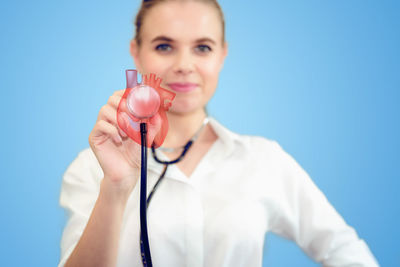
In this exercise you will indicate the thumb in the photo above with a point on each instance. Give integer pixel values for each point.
(154, 127)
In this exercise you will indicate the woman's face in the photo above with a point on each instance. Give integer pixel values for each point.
(182, 44)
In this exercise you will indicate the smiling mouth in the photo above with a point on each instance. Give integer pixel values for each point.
(183, 87)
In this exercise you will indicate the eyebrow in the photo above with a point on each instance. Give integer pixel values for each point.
(161, 38)
(167, 39)
(205, 40)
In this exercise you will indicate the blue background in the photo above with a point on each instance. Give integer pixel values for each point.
(320, 77)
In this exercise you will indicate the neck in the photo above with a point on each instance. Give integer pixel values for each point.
(182, 127)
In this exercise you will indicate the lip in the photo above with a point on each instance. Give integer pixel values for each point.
(183, 87)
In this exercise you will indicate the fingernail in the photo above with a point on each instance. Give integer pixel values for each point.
(122, 133)
(118, 139)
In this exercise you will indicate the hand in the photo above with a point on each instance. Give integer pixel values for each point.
(118, 155)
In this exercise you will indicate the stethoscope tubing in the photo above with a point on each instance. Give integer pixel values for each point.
(144, 239)
(144, 243)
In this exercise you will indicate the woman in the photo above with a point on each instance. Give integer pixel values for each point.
(213, 207)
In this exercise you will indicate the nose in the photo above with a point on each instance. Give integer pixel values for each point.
(184, 62)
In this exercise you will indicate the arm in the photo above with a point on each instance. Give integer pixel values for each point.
(96, 206)
(306, 216)
(98, 245)
(95, 210)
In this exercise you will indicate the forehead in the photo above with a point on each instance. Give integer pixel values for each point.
(183, 21)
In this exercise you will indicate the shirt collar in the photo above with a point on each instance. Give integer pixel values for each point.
(226, 138)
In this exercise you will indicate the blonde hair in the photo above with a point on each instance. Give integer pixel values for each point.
(148, 4)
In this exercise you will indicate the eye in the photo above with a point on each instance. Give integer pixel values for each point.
(163, 47)
(203, 49)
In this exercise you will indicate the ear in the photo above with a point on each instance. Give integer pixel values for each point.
(225, 50)
(134, 51)
(224, 53)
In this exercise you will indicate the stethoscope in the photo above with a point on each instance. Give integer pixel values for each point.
(142, 102)
(144, 204)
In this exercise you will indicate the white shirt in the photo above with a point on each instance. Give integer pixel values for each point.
(243, 187)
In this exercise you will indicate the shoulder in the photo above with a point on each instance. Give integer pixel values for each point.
(268, 156)
(263, 148)
(258, 143)
(244, 144)
(257, 148)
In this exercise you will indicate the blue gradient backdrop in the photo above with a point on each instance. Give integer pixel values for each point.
(320, 77)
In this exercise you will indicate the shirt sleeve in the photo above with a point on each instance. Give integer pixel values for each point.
(306, 216)
(79, 191)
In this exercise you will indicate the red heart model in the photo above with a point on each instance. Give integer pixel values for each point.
(146, 102)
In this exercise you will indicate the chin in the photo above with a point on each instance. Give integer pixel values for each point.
(185, 106)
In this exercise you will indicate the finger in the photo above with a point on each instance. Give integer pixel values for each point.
(122, 133)
(108, 114)
(114, 100)
(104, 129)
(154, 128)
(119, 92)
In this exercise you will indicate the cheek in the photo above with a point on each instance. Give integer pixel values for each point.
(154, 64)
(210, 70)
